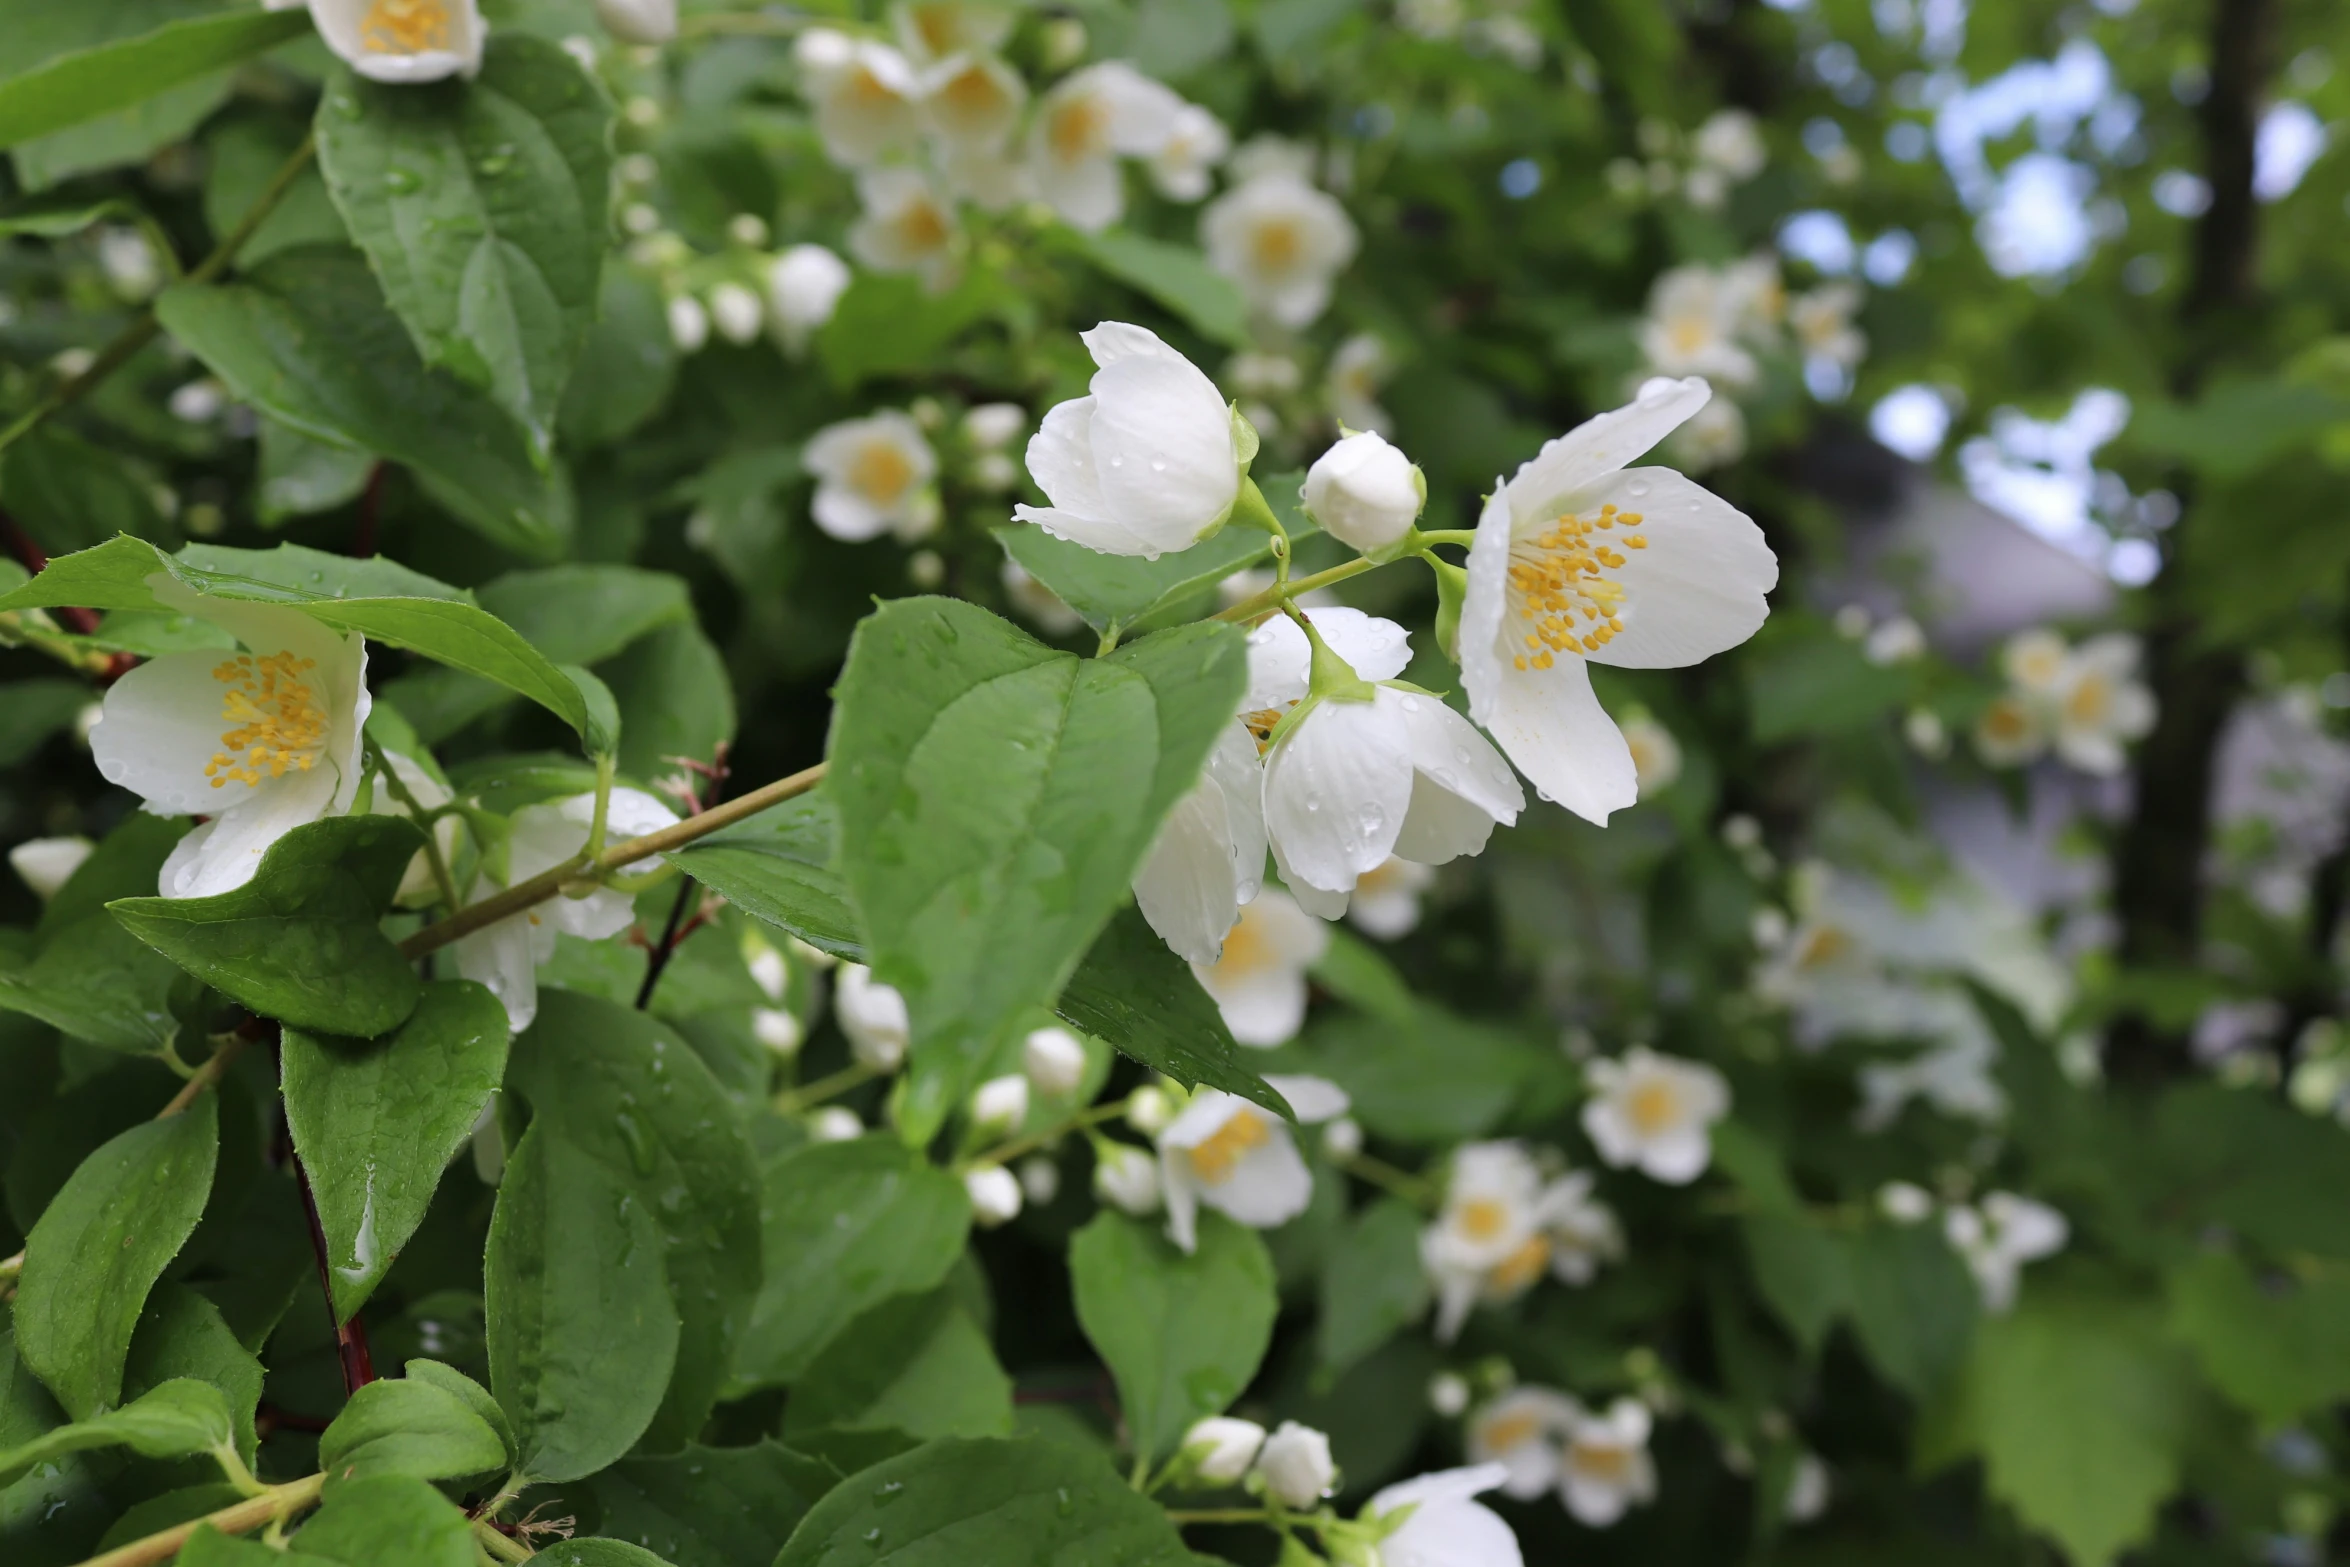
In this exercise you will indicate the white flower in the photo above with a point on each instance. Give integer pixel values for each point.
(1259, 983)
(1082, 126)
(1239, 1159)
(46, 864)
(639, 21)
(864, 93)
(506, 956)
(1756, 295)
(1582, 1230)
(1145, 464)
(1522, 1431)
(1352, 382)
(689, 323)
(1549, 588)
(873, 477)
(988, 426)
(1606, 1469)
(1487, 1242)
(1808, 1490)
(804, 286)
(1448, 1394)
(1040, 1179)
(1444, 1526)
(1386, 901)
(1999, 1237)
(1223, 1448)
(1282, 241)
(835, 1124)
(736, 312)
(1904, 1202)
(1822, 323)
(1656, 755)
(873, 1016)
(995, 1195)
(1039, 604)
(401, 40)
(1209, 858)
(1273, 157)
(988, 176)
(1654, 1112)
(261, 741)
(1126, 1178)
(2034, 661)
(1001, 1103)
(1897, 640)
(1730, 141)
(1196, 143)
(780, 1031)
(972, 101)
(2012, 730)
(932, 30)
(1714, 438)
(1692, 328)
(1351, 781)
(2100, 704)
(1365, 493)
(1054, 1060)
(907, 226)
(1296, 1467)
(1149, 1109)
(1342, 1139)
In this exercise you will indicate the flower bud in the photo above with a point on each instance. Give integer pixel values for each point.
(1126, 1178)
(736, 312)
(1448, 1394)
(768, 969)
(1001, 1103)
(639, 21)
(1054, 1061)
(873, 1015)
(689, 324)
(1296, 1467)
(1903, 1202)
(835, 1124)
(1343, 1138)
(780, 1031)
(995, 1195)
(804, 286)
(1148, 1111)
(1040, 1178)
(1364, 492)
(1222, 1448)
(46, 863)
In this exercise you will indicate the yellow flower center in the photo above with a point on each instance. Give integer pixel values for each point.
(972, 94)
(881, 472)
(1604, 1462)
(1214, 1159)
(1654, 1106)
(1520, 1268)
(939, 27)
(1276, 245)
(1482, 1218)
(870, 91)
(1564, 573)
(407, 27)
(2005, 720)
(277, 721)
(1515, 1429)
(1078, 128)
(1245, 949)
(1688, 334)
(2088, 701)
(1822, 947)
(922, 226)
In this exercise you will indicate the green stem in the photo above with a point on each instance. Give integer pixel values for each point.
(606, 767)
(442, 881)
(142, 331)
(1413, 1189)
(498, 1545)
(272, 1506)
(1180, 1516)
(1002, 1153)
(1464, 537)
(855, 1075)
(1265, 603)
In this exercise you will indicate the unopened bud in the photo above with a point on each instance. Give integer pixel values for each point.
(995, 1195)
(1001, 1103)
(1054, 1061)
(1364, 492)
(1222, 1448)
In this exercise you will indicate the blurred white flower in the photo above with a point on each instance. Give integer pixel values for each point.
(804, 286)
(689, 323)
(1222, 1449)
(1502, 1226)
(1905, 1202)
(995, 1195)
(1356, 373)
(1808, 1489)
(1997, 1237)
(1001, 1103)
(1054, 1060)
(1897, 640)
(2033, 661)
(639, 21)
(2101, 705)
(865, 94)
(1822, 323)
(1655, 1113)
(988, 426)
(1692, 328)
(1606, 1469)
(1196, 143)
(401, 40)
(736, 312)
(1523, 1431)
(1386, 901)
(1259, 983)
(932, 30)
(46, 864)
(1283, 242)
(780, 1031)
(1296, 1467)
(1365, 493)
(1713, 438)
(1730, 142)
(1446, 1527)
(1550, 589)
(873, 476)
(1147, 463)
(1656, 755)
(1040, 1179)
(1582, 1231)
(1242, 1161)
(2012, 730)
(973, 101)
(873, 1016)
(1126, 1178)
(907, 225)
(1080, 129)
(835, 1124)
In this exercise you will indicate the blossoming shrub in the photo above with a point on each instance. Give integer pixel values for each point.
(962, 784)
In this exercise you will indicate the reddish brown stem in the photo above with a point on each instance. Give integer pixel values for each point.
(350, 1337)
(30, 556)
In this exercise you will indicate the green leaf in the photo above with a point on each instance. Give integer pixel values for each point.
(674, 699)
(630, 1094)
(778, 867)
(208, 1547)
(1802, 1271)
(242, 156)
(95, 981)
(481, 206)
(627, 365)
(1443, 1079)
(1913, 1304)
(71, 493)
(1117, 591)
(1183, 1335)
(36, 710)
(301, 477)
(995, 797)
(1175, 276)
(916, 1364)
(708, 1506)
(101, 1244)
(2081, 1411)
(386, 602)
(182, 1334)
(954, 1503)
(597, 1553)
(582, 1327)
(1353, 970)
(376, 1120)
(2280, 1351)
(306, 339)
(87, 83)
(408, 1428)
(1818, 684)
(299, 942)
(180, 1417)
(387, 1520)
(1372, 1283)
(887, 324)
(1131, 992)
(466, 1391)
(845, 1226)
(127, 863)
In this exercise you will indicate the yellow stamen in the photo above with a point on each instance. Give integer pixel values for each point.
(1214, 1160)
(279, 725)
(407, 27)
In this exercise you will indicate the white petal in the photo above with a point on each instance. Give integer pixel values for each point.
(1181, 1197)
(1263, 1009)
(223, 854)
(501, 958)
(1313, 1098)
(1108, 536)
(1111, 341)
(1060, 459)
(161, 723)
(1142, 111)
(1312, 899)
(1699, 586)
(1485, 606)
(1269, 1186)
(1185, 888)
(1162, 444)
(1549, 722)
(1447, 748)
(1240, 772)
(1280, 661)
(846, 515)
(1678, 1157)
(1569, 466)
(1337, 788)
(1088, 193)
(1439, 827)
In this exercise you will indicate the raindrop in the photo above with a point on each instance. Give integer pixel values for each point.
(1637, 487)
(402, 182)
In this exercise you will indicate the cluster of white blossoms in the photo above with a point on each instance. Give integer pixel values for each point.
(1723, 323)
(1431, 1521)
(878, 475)
(1995, 1237)
(432, 40)
(2085, 702)
(1596, 1459)
(1723, 153)
(1505, 1223)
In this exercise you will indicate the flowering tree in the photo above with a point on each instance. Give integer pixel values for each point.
(950, 783)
